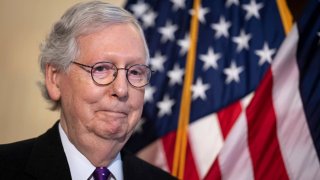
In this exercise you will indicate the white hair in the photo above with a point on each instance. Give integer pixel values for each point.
(60, 47)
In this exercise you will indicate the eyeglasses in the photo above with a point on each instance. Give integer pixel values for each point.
(104, 73)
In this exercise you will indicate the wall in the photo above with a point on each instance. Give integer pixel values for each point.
(23, 25)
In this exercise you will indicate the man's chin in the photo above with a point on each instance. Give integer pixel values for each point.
(115, 133)
(119, 136)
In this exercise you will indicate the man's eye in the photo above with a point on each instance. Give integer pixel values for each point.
(135, 72)
(100, 68)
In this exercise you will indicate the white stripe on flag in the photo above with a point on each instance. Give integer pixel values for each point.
(206, 142)
(295, 141)
(155, 154)
(234, 158)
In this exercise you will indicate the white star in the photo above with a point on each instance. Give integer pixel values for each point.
(242, 41)
(230, 2)
(139, 128)
(157, 62)
(199, 90)
(178, 4)
(201, 13)
(252, 9)
(265, 54)
(165, 106)
(221, 28)
(233, 73)
(184, 44)
(210, 59)
(148, 94)
(175, 75)
(139, 9)
(167, 32)
(149, 19)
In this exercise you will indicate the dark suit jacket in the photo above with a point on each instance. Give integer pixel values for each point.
(44, 158)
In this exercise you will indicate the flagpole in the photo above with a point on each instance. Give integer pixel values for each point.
(285, 15)
(180, 150)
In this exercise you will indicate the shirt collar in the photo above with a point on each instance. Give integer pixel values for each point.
(80, 166)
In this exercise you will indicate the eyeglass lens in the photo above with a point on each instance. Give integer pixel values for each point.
(105, 73)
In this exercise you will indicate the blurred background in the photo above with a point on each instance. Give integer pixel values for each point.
(24, 25)
(254, 123)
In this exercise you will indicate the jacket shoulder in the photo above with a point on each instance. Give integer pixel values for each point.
(16, 152)
(14, 157)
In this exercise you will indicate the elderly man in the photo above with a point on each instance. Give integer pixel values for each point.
(95, 67)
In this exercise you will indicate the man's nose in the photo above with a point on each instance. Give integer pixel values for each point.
(120, 84)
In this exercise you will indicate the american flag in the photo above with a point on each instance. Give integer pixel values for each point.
(231, 96)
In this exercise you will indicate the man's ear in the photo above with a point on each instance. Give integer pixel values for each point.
(52, 82)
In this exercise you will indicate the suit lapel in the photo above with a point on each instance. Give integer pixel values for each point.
(132, 167)
(48, 160)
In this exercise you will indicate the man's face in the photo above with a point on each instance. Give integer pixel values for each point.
(89, 111)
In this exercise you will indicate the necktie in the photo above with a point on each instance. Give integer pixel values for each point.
(101, 173)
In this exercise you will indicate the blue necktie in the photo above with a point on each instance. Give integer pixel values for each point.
(101, 173)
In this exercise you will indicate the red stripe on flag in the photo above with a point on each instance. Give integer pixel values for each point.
(214, 172)
(190, 166)
(228, 116)
(262, 134)
(190, 171)
(168, 142)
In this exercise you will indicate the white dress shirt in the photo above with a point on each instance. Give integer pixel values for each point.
(80, 167)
